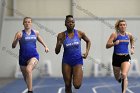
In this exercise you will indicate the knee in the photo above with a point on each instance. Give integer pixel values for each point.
(76, 85)
(124, 75)
(28, 70)
(117, 76)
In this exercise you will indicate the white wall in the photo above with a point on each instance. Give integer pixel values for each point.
(107, 8)
(44, 8)
(2, 11)
(59, 8)
(96, 30)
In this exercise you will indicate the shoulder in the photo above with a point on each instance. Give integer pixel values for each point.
(36, 32)
(129, 34)
(80, 33)
(61, 34)
(114, 34)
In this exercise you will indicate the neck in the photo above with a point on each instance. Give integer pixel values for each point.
(70, 30)
(27, 29)
(122, 32)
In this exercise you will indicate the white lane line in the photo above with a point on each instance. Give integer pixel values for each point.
(129, 90)
(26, 90)
(94, 88)
(43, 86)
(134, 86)
(60, 89)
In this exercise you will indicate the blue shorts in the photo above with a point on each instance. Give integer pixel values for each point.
(73, 62)
(23, 60)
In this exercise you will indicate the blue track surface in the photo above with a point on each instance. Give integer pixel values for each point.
(56, 85)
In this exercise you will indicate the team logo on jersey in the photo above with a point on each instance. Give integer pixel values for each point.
(72, 44)
(30, 37)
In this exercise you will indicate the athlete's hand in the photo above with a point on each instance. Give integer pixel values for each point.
(60, 41)
(116, 42)
(46, 49)
(19, 36)
(85, 55)
(132, 51)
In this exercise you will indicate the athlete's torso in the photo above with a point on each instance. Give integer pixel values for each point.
(72, 47)
(122, 47)
(28, 44)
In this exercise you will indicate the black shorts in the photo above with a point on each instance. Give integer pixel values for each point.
(117, 60)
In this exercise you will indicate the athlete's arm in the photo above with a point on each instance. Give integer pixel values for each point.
(111, 39)
(131, 40)
(88, 43)
(60, 39)
(131, 43)
(40, 39)
(17, 37)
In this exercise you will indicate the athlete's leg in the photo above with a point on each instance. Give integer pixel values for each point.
(77, 76)
(23, 70)
(29, 68)
(124, 69)
(117, 73)
(67, 76)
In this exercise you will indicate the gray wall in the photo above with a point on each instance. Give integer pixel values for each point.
(60, 8)
(97, 30)
(2, 10)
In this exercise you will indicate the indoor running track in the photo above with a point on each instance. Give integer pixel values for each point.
(56, 85)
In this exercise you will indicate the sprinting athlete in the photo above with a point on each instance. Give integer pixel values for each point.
(72, 60)
(28, 55)
(121, 58)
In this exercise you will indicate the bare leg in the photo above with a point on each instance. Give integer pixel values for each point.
(117, 73)
(77, 76)
(67, 76)
(31, 64)
(23, 70)
(124, 68)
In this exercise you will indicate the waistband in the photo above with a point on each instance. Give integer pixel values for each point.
(120, 54)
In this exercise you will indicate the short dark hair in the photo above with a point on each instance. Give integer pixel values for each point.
(69, 16)
(27, 18)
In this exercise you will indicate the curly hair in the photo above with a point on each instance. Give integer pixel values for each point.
(117, 24)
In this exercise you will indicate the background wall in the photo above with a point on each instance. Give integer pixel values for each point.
(112, 8)
(94, 17)
(60, 8)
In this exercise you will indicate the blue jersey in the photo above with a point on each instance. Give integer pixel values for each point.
(122, 47)
(72, 50)
(27, 47)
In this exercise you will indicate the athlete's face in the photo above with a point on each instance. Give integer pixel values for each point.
(122, 26)
(70, 23)
(27, 23)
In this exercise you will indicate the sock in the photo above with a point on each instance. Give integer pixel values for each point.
(122, 85)
(120, 80)
(30, 91)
